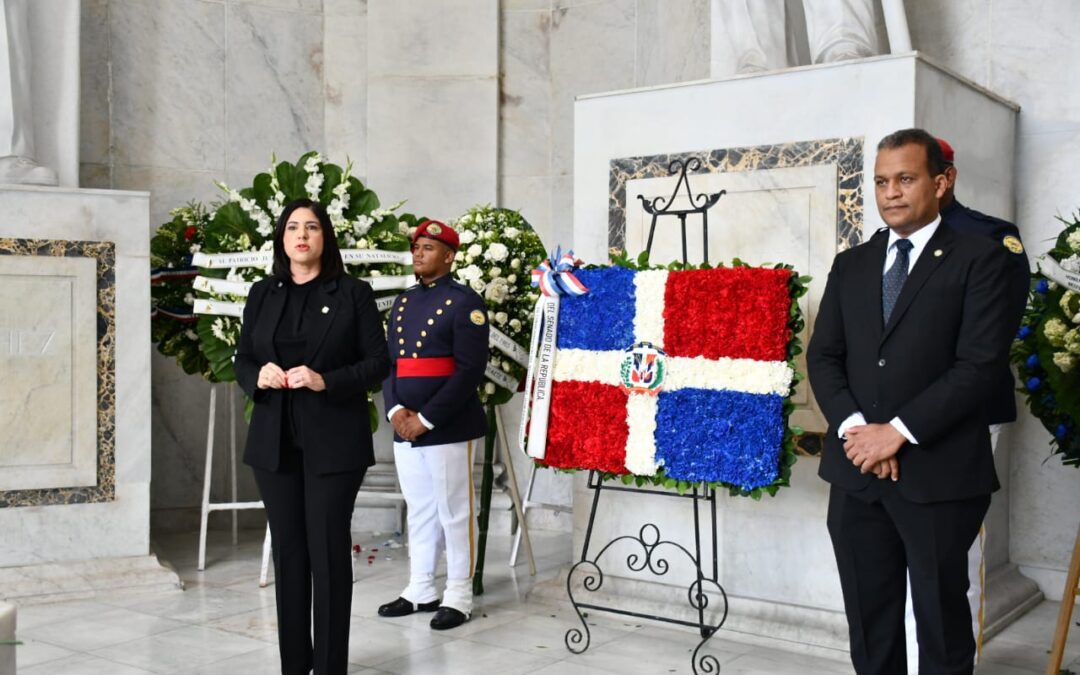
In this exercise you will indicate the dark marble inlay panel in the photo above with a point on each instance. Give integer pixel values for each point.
(104, 252)
(845, 153)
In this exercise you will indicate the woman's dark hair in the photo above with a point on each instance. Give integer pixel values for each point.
(330, 263)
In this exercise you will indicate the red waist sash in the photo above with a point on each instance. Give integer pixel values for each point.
(437, 366)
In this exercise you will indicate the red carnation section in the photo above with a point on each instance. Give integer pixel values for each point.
(587, 427)
(739, 312)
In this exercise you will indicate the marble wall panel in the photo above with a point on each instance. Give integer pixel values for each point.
(169, 188)
(443, 163)
(525, 94)
(1033, 59)
(956, 34)
(673, 38)
(94, 84)
(95, 176)
(301, 5)
(514, 5)
(561, 229)
(344, 7)
(531, 195)
(345, 88)
(465, 40)
(592, 50)
(274, 86)
(168, 85)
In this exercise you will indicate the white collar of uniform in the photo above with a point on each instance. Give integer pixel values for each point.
(918, 239)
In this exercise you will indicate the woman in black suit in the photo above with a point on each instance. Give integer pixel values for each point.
(311, 345)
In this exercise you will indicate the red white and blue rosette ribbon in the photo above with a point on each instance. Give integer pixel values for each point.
(555, 276)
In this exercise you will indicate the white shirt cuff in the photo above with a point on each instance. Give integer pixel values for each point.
(391, 411)
(855, 419)
(902, 428)
(423, 420)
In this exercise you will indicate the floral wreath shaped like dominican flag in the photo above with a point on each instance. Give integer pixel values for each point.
(642, 372)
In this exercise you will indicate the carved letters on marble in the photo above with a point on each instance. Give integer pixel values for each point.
(60, 355)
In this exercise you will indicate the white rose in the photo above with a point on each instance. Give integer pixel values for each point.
(474, 250)
(477, 285)
(515, 324)
(515, 264)
(511, 232)
(489, 388)
(496, 291)
(512, 278)
(467, 237)
(494, 272)
(501, 317)
(506, 366)
(497, 252)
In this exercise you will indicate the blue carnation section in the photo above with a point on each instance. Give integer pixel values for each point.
(603, 318)
(729, 436)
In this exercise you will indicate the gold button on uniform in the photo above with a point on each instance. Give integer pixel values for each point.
(414, 355)
(438, 311)
(404, 300)
(449, 301)
(419, 344)
(403, 352)
(431, 322)
(401, 309)
(399, 329)
(401, 341)
(423, 333)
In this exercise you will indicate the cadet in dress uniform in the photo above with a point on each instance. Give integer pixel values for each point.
(438, 339)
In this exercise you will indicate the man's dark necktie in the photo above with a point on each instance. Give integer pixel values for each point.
(894, 278)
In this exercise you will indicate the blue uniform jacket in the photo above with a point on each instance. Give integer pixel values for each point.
(1001, 406)
(440, 319)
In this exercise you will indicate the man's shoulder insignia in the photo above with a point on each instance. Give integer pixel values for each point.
(477, 317)
(1013, 244)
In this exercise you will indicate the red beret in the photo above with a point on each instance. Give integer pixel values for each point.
(433, 229)
(946, 150)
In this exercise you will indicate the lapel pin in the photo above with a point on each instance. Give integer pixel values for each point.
(937, 253)
(325, 309)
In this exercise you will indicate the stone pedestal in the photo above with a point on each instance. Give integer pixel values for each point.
(795, 150)
(75, 361)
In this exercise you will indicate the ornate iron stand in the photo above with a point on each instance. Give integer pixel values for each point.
(652, 557)
(653, 551)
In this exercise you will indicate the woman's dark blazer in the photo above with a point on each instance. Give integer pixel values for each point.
(346, 345)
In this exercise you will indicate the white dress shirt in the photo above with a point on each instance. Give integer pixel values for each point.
(918, 240)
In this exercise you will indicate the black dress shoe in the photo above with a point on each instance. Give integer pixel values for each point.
(447, 618)
(402, 607)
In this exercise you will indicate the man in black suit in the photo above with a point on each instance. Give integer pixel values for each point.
(911, 329)
(1001, 405)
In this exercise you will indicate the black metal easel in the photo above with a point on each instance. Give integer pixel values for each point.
(648, 538)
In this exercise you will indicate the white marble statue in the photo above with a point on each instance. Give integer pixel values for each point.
(18, 162)
(836, 30)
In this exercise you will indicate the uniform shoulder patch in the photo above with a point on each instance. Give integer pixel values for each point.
(1013, 244)
(477, 317)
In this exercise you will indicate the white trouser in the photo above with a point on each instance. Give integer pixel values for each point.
(976, 593)
(437, 483)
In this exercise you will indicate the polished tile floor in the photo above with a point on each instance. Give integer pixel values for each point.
(224, 623)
